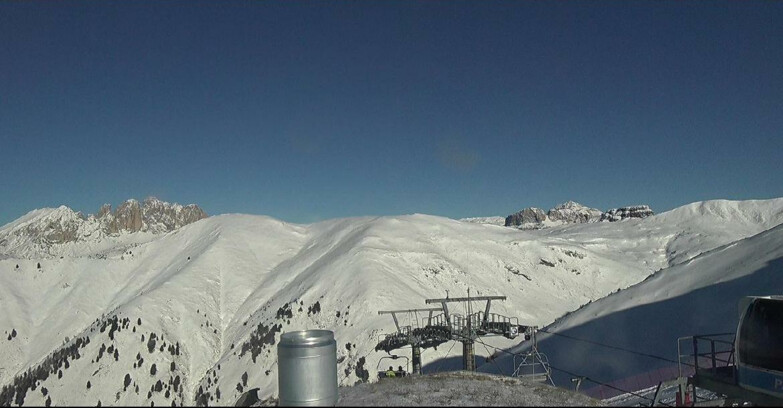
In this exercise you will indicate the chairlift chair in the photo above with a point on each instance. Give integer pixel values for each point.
(382, 373)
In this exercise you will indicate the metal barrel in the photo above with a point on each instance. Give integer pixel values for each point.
(307, 368)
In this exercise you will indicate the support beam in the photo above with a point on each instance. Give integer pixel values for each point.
(426, 309)
(465, 299)
(396, 323)
(394, 314)
(486, 315)
(446, 313)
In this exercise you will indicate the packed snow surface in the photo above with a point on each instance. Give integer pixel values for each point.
(206, 303)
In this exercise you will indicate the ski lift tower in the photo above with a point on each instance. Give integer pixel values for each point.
(416, 337)
(466, 329)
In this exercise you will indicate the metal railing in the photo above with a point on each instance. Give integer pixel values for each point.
(495, 323)
(642, 383)
(711, 354)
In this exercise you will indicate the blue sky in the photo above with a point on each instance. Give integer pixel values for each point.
(311, 110)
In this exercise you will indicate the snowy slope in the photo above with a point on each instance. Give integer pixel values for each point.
(36, 229)
(699, 296)
(495, 220)
(216, 293)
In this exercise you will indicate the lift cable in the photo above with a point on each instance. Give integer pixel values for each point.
(606, 385)
(445, 357)
(575, 375)
(491, 359)
(611, 347)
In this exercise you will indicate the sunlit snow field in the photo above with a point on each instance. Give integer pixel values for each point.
(218, 286)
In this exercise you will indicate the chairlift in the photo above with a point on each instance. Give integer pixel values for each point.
(397, 373)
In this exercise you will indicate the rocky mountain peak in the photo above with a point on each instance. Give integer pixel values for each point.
(565, 213)
(151, 215)
(127, 217)
(572, 212)
(105, 209)
(530, 215)
(635, 211)
(568, 205)
(39, 230)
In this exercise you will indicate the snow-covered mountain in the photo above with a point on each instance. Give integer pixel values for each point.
(572, 212)
(206, 302)
(49, 231)
(695, 296)
(622, 213)
(494, 220)
(569, 212)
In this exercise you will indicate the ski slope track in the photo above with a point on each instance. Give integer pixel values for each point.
(206, 303)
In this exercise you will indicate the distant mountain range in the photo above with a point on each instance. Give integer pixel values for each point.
(189, 313)
(569, 212)
(697, 296)
(42, 232)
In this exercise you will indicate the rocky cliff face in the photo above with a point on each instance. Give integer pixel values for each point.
(40, 230)
(572, 212)
(567, 213)
(618, 214)
(530, 215)
(127, 217)
(153, 216)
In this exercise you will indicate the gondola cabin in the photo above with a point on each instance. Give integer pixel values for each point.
(742, 367)
(759, 345)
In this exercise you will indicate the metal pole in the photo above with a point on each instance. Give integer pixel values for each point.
(468, 356)
(578, 381)
(416, 359)
(679, 359)
(467, 346)
(486, 313)
(535, 341)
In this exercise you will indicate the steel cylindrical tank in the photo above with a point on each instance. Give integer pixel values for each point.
(307, 368)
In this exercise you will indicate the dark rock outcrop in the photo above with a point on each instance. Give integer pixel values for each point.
(127, 217)
(618, 214)
(572, 212)
(153, 216)
(531, 215)
(39, 231)
(248, 398)
(569, 212)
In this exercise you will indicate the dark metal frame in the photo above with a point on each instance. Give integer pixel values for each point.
(715, 370)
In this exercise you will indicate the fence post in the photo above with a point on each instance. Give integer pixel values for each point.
(695, 353)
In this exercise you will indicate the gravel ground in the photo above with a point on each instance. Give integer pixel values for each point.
(460, 389)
